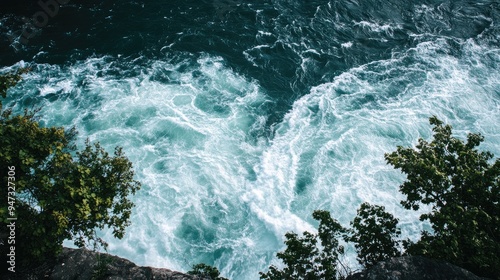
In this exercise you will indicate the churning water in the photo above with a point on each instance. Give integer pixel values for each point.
(241, 118)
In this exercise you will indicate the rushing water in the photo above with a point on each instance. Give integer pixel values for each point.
(241, 118)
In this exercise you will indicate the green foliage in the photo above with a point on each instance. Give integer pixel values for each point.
(9, 80)
(206, 271)
(60, 193)
(374, 234)
(461, 184)
(304, 258)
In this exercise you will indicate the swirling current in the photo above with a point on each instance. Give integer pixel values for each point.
(243, 117)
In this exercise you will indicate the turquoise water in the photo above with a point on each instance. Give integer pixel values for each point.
(242, 118)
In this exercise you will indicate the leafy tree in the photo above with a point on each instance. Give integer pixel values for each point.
(206, 271)
(9, 80)
(461, 184)
(304, 258)
(59, 193)
(374, 234)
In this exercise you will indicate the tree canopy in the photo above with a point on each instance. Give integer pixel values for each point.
(458, 181)
(305, 258)
(374, 234)
(57, 191)
(206, 271)
(52, 192)
(462, 184)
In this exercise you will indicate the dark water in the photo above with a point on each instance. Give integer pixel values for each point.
(243, 117)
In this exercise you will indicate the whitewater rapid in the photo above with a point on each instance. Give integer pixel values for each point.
(216, 189)
(235, 150)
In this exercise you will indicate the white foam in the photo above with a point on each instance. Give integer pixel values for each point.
(338, 134)
(346, 45)
(212, 194)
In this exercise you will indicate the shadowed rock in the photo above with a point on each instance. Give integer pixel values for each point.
(414, 268)
(80, 264)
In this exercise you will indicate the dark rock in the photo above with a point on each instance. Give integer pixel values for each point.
(81, 264)
(414, 268)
